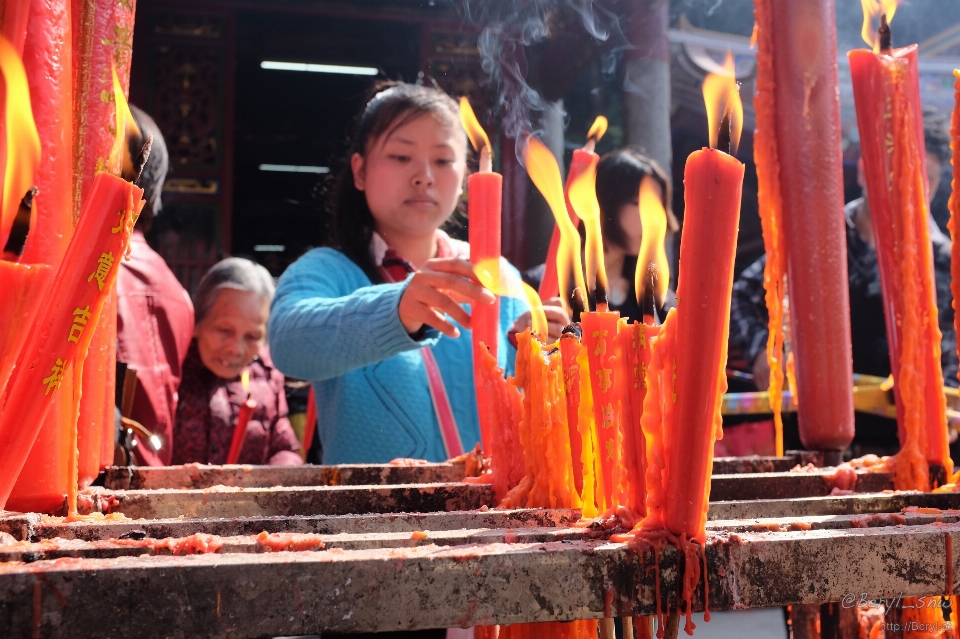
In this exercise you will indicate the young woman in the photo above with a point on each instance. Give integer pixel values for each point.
(619, 175)
(376, 319)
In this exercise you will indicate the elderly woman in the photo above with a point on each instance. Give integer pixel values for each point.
(232, 307)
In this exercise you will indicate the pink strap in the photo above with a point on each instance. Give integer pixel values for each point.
(441, 406)
(438, 394)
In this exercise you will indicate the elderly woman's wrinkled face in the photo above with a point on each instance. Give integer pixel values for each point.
(232, 333)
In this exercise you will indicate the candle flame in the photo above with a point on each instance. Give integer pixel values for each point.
(118, 160)
(872, 10)
(478, 137)
(721, 94)
(653, 223)
(598, 128)
(23, 142)
(583, 199)
(545, 174)
(245, 381)
(505, 283)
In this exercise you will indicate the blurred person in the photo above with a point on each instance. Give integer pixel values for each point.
(233, 306)
(619, 175)
(154, 312)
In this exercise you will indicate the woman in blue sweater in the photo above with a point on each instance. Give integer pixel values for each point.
(376, 319)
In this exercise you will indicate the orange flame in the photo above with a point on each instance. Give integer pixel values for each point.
(653, 222)
(583, 198)
(478, 137)
(545, 174)
(722, 97)
(245, 381)
(598, 128)
(125, 124)
(23, 142)
(872, 10)
(507, 284)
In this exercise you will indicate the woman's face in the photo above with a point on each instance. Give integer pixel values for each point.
(233, 332)
(629, 218)
(412, 177)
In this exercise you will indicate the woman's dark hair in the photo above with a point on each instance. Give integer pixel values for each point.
(155, 170)
(393, 104)
(619, 175)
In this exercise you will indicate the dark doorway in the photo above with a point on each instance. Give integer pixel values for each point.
(301, 119)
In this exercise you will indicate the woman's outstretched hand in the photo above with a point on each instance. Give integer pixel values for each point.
(557, 319)
(438, 288)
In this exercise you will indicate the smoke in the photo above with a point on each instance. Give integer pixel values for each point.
(508, 26)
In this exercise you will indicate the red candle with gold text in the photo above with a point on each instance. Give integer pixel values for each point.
(485, 197)
(582, 158)
(886, 92)
(808, 139)
(60, 333)
(599, 339)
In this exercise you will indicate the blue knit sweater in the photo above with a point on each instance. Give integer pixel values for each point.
(331, 325)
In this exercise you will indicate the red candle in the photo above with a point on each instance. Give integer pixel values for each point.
(582, 158)
(485, 196)
(600, 341)
(570, 348)
(954, 203)
(887, 96)
(102, 39)
(96, 408)
(48, 65)
(805, 91)
(712, 185)
(60, 335)
(240, 430)
(633, 344)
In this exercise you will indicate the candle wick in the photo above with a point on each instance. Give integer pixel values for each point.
(724, 142)
(590, 145)
(141, 162)
(578, 303)
(600, 294)
(648, 305)
(486, 159)
(886, 35)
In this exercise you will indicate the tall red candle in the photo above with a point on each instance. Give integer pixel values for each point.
(549, 284)
(47, 59)
(803, 47)
(712, 182)
(582, 158)
(484, 202)
(887, 95)
(954, 203)
(60, 335)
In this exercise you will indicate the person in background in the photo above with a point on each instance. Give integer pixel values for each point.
(871, 354)
(233, 304)
(619, 175)
(154, 312)
(374, 319)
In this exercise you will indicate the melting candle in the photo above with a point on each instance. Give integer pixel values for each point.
(887, 97)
